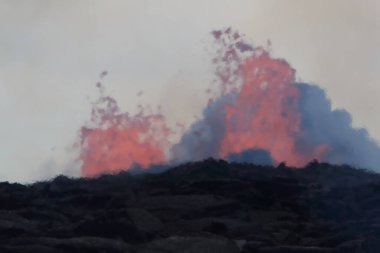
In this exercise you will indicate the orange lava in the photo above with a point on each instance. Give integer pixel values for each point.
(118, 141)
(265, 114)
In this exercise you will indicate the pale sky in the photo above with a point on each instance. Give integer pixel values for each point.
(51, 54)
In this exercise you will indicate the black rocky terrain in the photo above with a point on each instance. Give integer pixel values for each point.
(202, 207)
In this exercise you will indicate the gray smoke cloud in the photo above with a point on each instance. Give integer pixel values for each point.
(320, 125)
(202, 140)
(52, 51)
(255, 156)
(323, 125)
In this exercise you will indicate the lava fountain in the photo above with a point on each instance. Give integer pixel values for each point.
(113, 140)
(257, 106)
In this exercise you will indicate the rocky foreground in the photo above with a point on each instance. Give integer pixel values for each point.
(209, 206)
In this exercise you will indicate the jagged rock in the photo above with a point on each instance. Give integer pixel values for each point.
(144, 221)
(73, 245)
(12, 224)
(295, 249)
(29, 249)
(209, 206)
(102, 226)
(170, 206)
(190, 245)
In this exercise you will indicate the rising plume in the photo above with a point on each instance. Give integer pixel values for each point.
(258, 113)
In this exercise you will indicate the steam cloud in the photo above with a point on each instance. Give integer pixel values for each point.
(258, 113)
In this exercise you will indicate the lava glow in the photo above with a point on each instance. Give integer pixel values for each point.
(119, 141)
(265, 114)
(257, 105)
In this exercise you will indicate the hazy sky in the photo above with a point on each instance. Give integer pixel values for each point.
(51, 54)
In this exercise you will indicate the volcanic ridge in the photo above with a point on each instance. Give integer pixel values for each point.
(207, 206)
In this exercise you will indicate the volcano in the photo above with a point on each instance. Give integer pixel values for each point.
(198, 207)
(270, 166)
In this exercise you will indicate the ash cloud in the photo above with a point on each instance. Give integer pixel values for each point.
(320, 125)
(203, 138)
(323, 125)
(259, 114)
(254, 156)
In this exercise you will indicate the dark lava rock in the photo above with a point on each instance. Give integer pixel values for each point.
(209, 206)
(75, 245)
(190, 245)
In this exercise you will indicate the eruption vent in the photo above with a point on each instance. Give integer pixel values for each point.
(258, 113)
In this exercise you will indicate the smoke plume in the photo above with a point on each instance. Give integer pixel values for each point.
(323, 125)
(258, 113)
